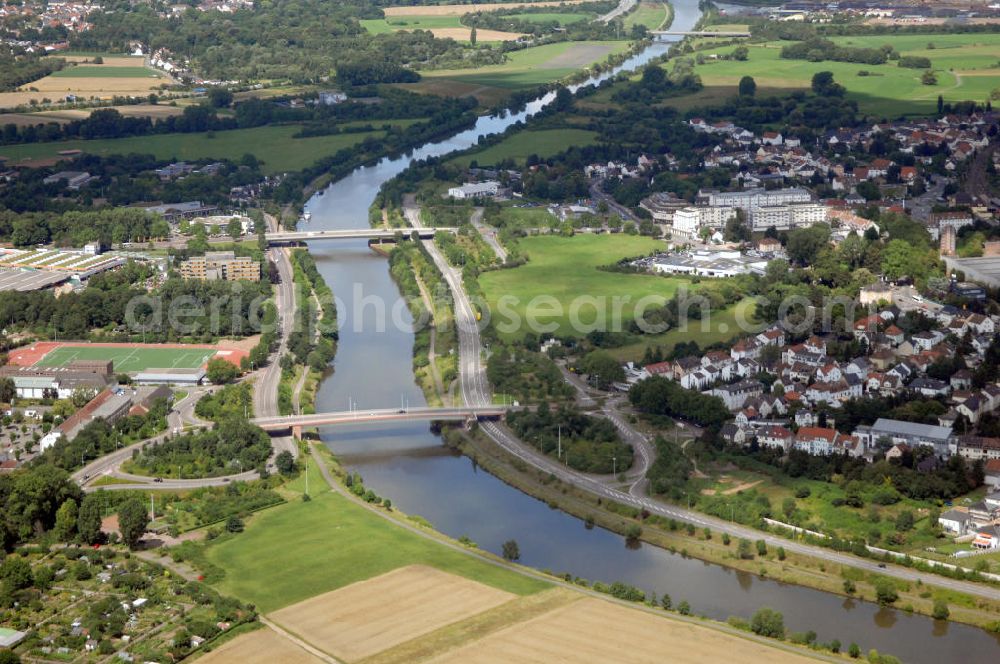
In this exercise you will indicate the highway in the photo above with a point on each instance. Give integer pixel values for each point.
(476, 392)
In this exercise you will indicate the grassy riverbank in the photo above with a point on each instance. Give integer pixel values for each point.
(790, 568)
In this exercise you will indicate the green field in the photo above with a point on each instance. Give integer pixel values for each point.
(130, 359)
(722, 326)
(889, 90)
(544, 143)
(380, 26)
(562, 18)
(561, 269)
(650, 14)
(105, 71)
(536, 65)
(273, 145)
(301, 549)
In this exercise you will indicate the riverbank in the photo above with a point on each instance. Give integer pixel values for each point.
(787, 567)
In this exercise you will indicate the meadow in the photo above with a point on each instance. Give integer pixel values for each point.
(563, 18)
(105, 71)
(518, 146)
(534, 66)
(449, 26)
(301, 549)
(561, 269)
(964, 72)
(274, 145)
(651, 14)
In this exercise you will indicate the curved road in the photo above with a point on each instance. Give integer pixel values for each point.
(476, 392)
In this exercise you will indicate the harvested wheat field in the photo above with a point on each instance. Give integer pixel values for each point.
(594, 631)
(259, 647)
(481, 34)
(109, 60)
(461, 10)
(68, 115)
(370, 616)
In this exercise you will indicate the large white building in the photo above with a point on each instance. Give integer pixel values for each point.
(487, 189)
(786, 217)
(689, 221)
(749, 200)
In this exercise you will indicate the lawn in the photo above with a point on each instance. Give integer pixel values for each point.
(544, 143)
(723, 326)
(301, 549)
(890, 90)
(563, 18)
(379, 26)
(650, 14)
(274, 145)
(536, 65)
(105, 71)
(130, 359)
(561, 278)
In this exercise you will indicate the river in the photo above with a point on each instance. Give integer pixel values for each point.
(408, 464)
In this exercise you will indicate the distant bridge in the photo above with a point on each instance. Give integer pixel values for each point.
(459, 414)
(288, 237)
(700, 33)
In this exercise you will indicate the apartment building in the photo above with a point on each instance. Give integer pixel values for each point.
(220, 266)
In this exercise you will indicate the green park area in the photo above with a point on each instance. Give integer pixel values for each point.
(651, 14)
(276, 146)
(105, 71)
(130, 359)
(965, 67)
(543, 143)
(534, 66)
(379, 26)
(562, 269)
(301, 549)
(562, 18)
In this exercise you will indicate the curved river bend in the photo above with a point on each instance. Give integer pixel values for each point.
(408, 464)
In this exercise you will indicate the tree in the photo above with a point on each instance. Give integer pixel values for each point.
(768, 622)
(88, 521)
(66, 517)
(603, 367)
(220, 97)
(7, 390)
(805, 243)
(285, 462)
(824, 85)
(234, 228)
(234, 524)
(743, 549)
(748, 86)
(473, 36)
(741, 53)
(132, 521)
(9, 657)
(928, 78)
(220, 371)
(684, 608)
(941, 611)
(511, 551)
(15, 572)
(940, 105)
(666, 602)
(854, 650)
(885, 592)
(761, 547)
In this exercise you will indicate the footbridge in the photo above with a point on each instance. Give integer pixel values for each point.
(456, 414)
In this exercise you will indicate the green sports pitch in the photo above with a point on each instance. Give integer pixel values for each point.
(130, 359)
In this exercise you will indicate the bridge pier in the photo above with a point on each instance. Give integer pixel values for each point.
(297, 432)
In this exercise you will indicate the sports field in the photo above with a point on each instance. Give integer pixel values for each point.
(130, 359)
(562, 273)
(460, 10)
(544, 143)
(274, 145)
(371, 616)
